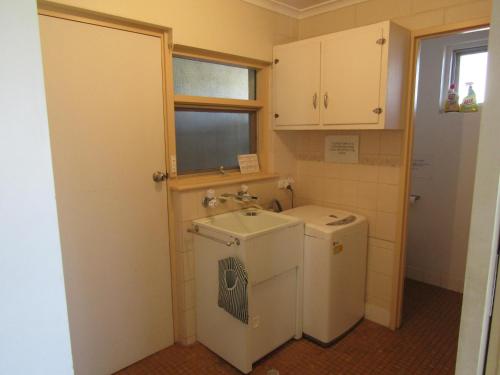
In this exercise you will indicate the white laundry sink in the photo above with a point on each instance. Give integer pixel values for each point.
(247, 223)
(270, 248)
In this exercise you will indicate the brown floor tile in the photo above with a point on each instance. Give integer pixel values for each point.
(426, 344)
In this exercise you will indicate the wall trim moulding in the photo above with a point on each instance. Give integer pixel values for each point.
(300, 13)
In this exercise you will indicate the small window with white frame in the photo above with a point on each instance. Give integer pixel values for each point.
(216, 113)
(469, 67)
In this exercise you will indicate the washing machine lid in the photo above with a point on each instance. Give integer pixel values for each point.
(323, 222)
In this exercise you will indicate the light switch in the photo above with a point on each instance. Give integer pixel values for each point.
(173, 164)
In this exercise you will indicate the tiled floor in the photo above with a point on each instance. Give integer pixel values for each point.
(426, 344)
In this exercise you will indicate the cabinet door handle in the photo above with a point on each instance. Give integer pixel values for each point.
(315, 100)
(325, 100)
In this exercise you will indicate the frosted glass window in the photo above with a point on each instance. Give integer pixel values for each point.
(202, 78)
(471, 67)
(206, 140)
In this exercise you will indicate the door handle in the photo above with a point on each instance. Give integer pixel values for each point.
(159, 176)
(414, 198)
(325, 100)
(315, 100)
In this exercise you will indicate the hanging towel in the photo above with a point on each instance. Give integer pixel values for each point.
(233, 280)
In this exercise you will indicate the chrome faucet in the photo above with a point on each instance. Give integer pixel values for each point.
(241, 196)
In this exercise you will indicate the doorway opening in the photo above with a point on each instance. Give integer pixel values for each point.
(443, 160)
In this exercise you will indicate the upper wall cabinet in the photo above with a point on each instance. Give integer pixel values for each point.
(297, 81)
(354, 79)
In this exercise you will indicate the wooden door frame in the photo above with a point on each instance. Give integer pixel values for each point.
(405, 176)
(47, 8)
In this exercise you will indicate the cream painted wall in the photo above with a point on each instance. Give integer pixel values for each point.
(439, 222)
(412, 14)
(34, 333)
(483, 240)
(229, 26)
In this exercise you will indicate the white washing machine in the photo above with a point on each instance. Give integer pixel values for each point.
(335, 252)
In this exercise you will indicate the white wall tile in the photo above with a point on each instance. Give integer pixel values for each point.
(190, 322)
(378, 285)
(333, 170)
(185, 236)
(377, 314)
(189, 295)
(349, 172)
(348, 193)
(380, 259)
(188, 265)
(371, 216)
(332, 190)
(368, 173)
(190, 203)
(389, 175)
(367, 195)
(385, 227)
(391, 142)
(387, 198)
(369, 142)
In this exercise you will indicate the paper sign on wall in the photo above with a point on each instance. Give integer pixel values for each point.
(342, 148)
(249, 163)
(421, 166)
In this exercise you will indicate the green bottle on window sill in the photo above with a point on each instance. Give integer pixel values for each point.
(469, 104)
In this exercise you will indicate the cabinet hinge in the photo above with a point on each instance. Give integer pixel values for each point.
(276, 115)
(170, 46)
(378, 110)
(381, 41)
(276, 61)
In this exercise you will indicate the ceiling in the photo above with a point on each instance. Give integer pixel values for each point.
(301, 4)
(302, 8)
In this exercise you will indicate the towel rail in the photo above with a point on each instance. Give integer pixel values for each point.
(196, 230)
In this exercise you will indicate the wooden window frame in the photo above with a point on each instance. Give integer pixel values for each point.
(260, 106)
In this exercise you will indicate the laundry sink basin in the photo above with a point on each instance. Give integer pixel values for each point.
(269, 246)
(247, 223)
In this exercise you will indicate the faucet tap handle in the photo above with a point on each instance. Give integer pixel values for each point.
(209, 201)
(243, 190)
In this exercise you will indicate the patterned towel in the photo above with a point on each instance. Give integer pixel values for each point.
(233, 280)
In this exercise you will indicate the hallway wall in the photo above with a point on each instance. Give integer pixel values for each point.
(485, 222)
(34, 333)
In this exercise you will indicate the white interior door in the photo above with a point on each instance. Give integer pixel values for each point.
(350, 76)
(296, 84)
(105, 104)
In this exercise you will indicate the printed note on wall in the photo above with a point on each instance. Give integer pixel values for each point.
(342, 148)
(421, 166)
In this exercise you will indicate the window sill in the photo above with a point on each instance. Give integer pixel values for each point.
(200, 182)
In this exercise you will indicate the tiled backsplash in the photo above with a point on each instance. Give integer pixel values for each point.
(370, 188)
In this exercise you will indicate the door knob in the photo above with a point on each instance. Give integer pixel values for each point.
(159, 176)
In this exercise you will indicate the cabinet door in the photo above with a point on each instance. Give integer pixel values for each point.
(351, 76)
(296, 84)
